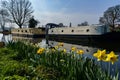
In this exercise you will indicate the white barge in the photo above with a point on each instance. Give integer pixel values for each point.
(81, 33)
(29, 32)
(86, 34)
(81, 30)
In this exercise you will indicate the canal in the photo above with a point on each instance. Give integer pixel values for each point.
(88, 49)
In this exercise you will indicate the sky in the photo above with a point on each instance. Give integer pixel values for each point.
(74, 11)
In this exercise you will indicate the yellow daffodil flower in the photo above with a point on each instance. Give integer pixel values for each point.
(40, 50)
(53, 50)
(80, 52)
(64, 50)
(111, 57)
(73, 49)
(96, 54)
(56, 47)
(60, 44)
(100, 55)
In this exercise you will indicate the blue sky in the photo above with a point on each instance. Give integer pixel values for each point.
(66, 11)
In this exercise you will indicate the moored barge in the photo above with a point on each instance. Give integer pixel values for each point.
(29, 32)
(94, 34)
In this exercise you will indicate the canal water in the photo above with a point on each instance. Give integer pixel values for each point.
(5, 38)
(89, 50)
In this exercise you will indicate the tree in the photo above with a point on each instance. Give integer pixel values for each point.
(32, 23)
(85, 23)
(61, 24)
(3, 18)
(102, 20)
(111, 16)
(20, 10)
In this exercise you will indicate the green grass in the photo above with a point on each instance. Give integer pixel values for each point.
(20, 61)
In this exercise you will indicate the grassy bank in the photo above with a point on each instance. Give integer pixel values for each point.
(28, 62)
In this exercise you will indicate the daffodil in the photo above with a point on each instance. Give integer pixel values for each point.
(40, 50)
(80, 52)
(60, 44)
(111, 57)
(100, 55)
(36, 45)
(64, 50)
(53, 50)
(62, 60)
(73, 49)
(56, 47)
(96, 54)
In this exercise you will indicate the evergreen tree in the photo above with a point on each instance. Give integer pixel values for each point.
(32, 23)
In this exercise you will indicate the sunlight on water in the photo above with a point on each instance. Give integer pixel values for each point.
(1, 37)
(5, 38)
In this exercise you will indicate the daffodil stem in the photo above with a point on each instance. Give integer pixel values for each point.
(101, 63)
(109, 68)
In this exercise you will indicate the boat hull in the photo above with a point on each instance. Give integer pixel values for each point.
(111, 40)
(76, 38)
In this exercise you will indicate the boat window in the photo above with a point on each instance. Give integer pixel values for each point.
(21, 30)
(25, 30)
(62, 31)
(87, 50)
(87, 30)
(72, 31)
(52, 31)
(18, 30)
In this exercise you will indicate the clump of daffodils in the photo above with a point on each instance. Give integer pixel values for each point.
(59, 47)
(78, 51)
(101, 55)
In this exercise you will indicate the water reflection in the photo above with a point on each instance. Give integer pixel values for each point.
(5, 38)
(31, 40)
(88, 50)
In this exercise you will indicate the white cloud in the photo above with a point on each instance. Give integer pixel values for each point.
(44, 14)
(65, 18)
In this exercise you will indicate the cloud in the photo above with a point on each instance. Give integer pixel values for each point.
(65, 18)
(48, 12)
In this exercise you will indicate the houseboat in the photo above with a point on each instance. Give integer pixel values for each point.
(29, 32)
(84, 34)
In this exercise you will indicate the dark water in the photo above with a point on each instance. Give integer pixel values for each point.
(89, 50)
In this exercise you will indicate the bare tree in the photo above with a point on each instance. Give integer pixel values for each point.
(111, 16)
(20, 10)
(3, 18)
